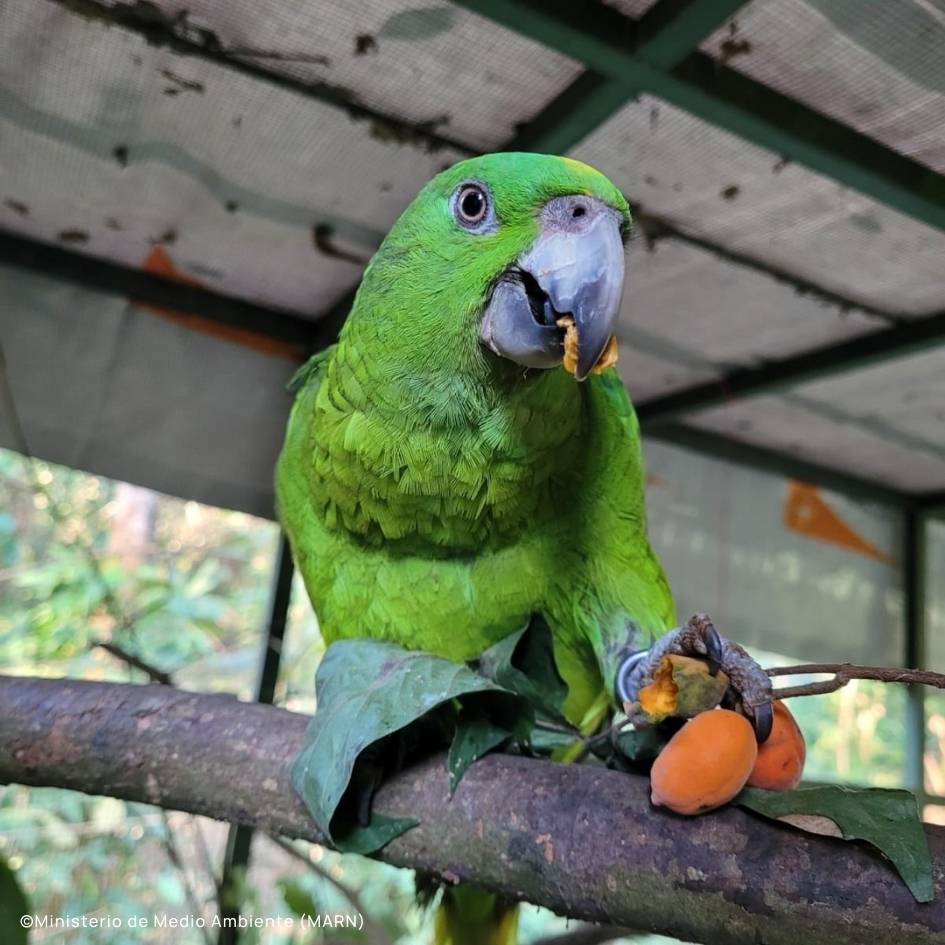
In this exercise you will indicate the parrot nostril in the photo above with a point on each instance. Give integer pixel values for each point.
(578, 211)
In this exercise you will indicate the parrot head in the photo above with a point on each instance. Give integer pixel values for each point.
(494, 253)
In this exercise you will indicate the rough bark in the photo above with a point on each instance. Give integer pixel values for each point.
(581, 840)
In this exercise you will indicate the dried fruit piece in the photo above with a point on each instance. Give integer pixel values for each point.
(683, 687)
(705, 764)
(608, 357)
(781, 758)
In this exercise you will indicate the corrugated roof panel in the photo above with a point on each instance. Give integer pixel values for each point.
(433, 63)
(691, 306)
(229, 174)
(903, 400)
(647, 374)
(716, 185)
(886, 423)
(877, 67)
(101, 385)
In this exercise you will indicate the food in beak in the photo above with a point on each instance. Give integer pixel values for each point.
(608, 357)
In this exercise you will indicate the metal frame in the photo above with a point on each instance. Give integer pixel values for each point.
(830, 361)
(609, 43)
(776, 463)
(913, 592)
(118, 279)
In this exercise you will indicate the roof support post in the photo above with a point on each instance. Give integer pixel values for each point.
(240, 838)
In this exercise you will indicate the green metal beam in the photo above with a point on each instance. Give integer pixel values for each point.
(668, 32)
(933, 503)
(151, 289)
(606, 41)
(571, 116)
(829, 361)
(777, 463)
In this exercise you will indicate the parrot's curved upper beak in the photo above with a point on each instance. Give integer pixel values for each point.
(575, 267)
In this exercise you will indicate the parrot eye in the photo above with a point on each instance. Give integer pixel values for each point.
(471, 205)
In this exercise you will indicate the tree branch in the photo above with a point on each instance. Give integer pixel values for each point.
(842, 673)
(582, 840)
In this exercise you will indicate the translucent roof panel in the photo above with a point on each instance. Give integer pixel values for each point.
(734, 544)
(432, 63)
(111, 146)
(885, 422)
(705, 315)
(743, 197)
(877, 67)
(102, 385)
(649, 374)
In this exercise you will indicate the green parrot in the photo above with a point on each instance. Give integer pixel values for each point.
(444, 477)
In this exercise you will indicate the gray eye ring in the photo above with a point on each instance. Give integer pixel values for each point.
(472, 205)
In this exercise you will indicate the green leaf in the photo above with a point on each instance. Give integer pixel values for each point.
(640, 744)
(886, 819)
(368, 690)
(545, 742)
(13, 906)
(524, 663)
(378, 833)
(296, 897)
(475, 736)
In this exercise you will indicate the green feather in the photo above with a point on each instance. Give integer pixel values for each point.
(436, 495)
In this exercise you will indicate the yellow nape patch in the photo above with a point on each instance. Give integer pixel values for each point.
(579, 166)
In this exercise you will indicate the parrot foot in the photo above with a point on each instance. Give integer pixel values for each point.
(749, 691)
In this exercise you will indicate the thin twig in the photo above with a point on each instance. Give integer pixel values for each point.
(842, 673)
(201, 845)
(586, 935)
(152, 672)
(173, 854)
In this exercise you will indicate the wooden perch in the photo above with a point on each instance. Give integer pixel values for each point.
(582, 840)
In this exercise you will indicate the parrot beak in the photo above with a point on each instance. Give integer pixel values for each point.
(576, 268)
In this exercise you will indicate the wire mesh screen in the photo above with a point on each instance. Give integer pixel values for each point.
(716, 185)
(886, 422)
(119, 141)
(698, 315)
(432, 64)
(877, 67)
(779, 564)
(632, 8)
(100, 385)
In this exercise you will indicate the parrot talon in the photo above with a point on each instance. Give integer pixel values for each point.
(749, 690)
(762, 718)
(714, 648)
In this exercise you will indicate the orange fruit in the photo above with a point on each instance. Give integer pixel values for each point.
(781, 757)
(705, 764)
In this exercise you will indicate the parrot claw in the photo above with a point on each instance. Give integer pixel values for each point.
(762, 718)
(714, 649)
(749, 690)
